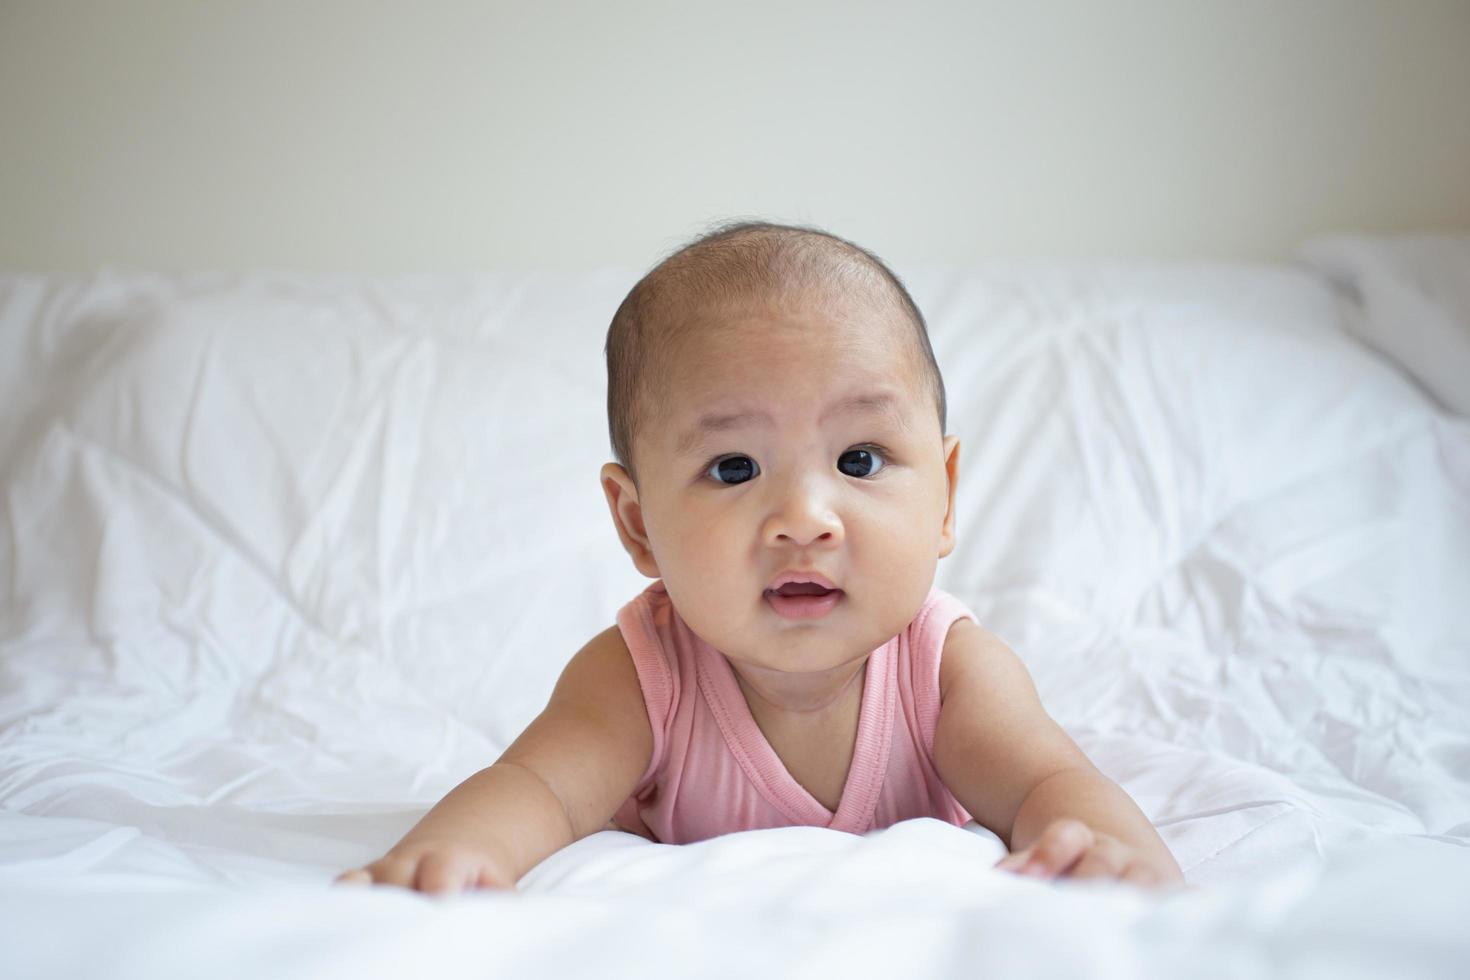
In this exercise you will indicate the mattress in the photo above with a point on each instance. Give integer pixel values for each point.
(283, 558)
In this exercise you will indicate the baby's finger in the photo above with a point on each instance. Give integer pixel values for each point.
(1105, 859)
(1014, 860)
(357, 876)
(393, 871)
(1141, 874)
(491, 877)
(441, 875)
(1059, 847)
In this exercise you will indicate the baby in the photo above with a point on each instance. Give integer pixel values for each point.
(782, 471)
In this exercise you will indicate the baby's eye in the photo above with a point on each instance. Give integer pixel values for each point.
(860, 462)
(733, 469)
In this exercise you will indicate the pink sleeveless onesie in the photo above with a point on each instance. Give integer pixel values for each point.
(712, 772)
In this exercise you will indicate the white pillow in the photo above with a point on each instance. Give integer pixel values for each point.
(1407, 296)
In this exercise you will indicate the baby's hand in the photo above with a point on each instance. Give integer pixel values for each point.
(432, 867)
(1071, 848)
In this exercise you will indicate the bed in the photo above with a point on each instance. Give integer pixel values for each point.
(284, 557)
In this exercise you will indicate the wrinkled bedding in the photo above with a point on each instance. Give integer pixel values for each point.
(283, 558)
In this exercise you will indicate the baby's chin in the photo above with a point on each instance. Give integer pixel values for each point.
(798, 648)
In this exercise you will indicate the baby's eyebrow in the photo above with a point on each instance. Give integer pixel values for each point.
(879, 403)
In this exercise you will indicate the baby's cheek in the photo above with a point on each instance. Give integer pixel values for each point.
(703, 570)
(902, 556)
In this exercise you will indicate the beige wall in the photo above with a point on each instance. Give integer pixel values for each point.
(368, 136)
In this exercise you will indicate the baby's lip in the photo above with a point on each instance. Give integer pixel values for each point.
(796, 576)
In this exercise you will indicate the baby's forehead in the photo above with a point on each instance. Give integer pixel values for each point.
(811, 319)
(866, 344)
(709, 338)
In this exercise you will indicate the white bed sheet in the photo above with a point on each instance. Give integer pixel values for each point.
(286, 557)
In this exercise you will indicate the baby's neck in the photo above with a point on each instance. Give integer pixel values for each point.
(807, 696)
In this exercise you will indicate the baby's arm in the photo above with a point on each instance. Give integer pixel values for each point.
(562, 779)
(1019, 774)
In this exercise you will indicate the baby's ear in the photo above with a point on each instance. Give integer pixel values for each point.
(627, 514)
(952, 476)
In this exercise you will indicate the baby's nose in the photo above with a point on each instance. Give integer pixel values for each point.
(802, 520)
(803, 540)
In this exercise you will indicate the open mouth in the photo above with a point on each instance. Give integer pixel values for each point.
(803, 588)
(803, 600)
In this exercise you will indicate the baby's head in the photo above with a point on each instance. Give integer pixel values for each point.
(775, 407)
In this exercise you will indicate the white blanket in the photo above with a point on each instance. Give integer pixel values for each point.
(284, 558)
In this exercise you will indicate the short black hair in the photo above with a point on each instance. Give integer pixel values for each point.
(734, 260)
